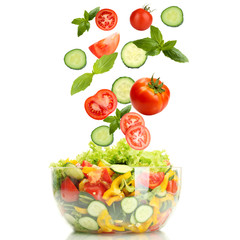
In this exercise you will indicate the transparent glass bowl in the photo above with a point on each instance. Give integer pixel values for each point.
(98, 200)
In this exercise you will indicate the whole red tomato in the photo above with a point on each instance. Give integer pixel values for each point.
(149, 96)
(141, 19)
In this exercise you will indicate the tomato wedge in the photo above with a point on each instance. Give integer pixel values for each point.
(129, 120)
(69, 192)
(96, 190)
(138, 137)
(103, 103)
(152, 179)
(105, 46)
(106, 19)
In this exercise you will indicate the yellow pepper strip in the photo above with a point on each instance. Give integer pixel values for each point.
(71, 161)
(156, 214)
(112, 226)
(165, 180)
(101, 164)
(144, 226)
(118, 198)
(115, 187)
(154, 202)
(101, 222)
(81, 210)
(88, 169)
(81, 184)
(136, 193)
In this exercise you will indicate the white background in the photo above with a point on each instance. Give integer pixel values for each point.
(41, 122)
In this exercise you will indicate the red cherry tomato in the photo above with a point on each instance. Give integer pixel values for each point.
(69, 192)
(152, 179)
(106, 19)
(141, 19)
(149, 97)
(96, 190)
(172, 187)
(138, 137)
(129, 120)
(103, 103)
(105, 46)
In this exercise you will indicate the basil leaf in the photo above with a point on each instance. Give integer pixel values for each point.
(156, 34)
(147, 44)
(109, 119)
(93, 13)
(81, 83)
(86, 15)
(154, 52)
(175, 55)
(113, 126)
(104, 64)
(87, 26)
(81, 28)
(78, 21)
(118, 113)
(126, 110)
(169, 45)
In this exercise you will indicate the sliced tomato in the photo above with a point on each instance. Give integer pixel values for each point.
(105, 46)
(138, 137)
(106, 19)
(152, 179)
(129, 120)
(103, 103)
(161, 220)
(69, 192)
(172, 187)
(95, 176)
(86, 164)
(105, 176)
(96, 190)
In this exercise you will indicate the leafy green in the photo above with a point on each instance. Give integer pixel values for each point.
(156, 34)
(175, 55)
(81, 83)
(122, 153)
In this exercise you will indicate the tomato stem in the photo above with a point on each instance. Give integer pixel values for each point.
(156, 86)
(147, 8)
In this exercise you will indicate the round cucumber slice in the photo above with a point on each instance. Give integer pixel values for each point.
(132, 56)
(72, 171)
(88, 223)
(75, 59)
(121, 88)
(95, 208)
(101, 137)
(143, 213)
(129, 204)
(172, 16)
(121, 169)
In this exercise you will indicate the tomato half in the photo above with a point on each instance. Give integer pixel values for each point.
(129, 120)
(149, 96)
(141, 19)
(138, 137)
(103, 103)
(105, 46)
(96, 190)
(69, 192)
(172, 187)
(106, 19)
(152, 179)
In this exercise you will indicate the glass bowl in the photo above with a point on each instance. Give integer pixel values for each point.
(116, 199)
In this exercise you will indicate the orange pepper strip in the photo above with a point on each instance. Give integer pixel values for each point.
(101, 164)
(101, 221)
(88, 169)
(81, 210)
(118, 198)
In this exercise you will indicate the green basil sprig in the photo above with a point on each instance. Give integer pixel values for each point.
(154, 45)
(83, 23)
(102, 65)
(115, 120)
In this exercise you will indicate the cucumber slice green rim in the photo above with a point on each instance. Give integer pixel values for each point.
(133, 219)
(121, 169)
(88, 223)
(132, 56)
(72, 171)
(129, 204)
(143, 213)
(101, 137)
(75, 59)
(95, 208)
(172, 16)
(121, 88)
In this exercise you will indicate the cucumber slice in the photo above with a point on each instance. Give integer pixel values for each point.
(121, 88)
(72, 171)
(143, 213)
(88, 223)
(101, 137)
(129, 204)
(132, 56)
(75, 59)
(85, 197)
(121, 169)
(70, 219)
(133, 219)
(172, 16)
(95, 208)
(162, 194)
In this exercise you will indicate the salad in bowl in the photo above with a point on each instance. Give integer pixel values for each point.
(116, 189)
